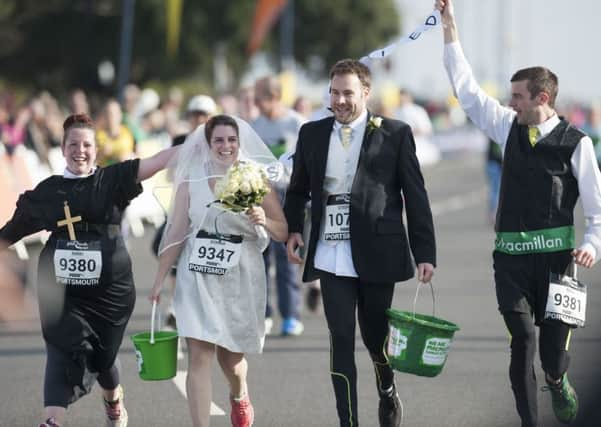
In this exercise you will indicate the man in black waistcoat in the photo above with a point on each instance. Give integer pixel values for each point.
(547, 165)
(359, 171)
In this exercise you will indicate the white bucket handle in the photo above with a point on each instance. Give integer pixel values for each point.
(154, 314)
(433, 299)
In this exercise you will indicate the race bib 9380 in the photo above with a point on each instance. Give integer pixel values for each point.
(78, 263)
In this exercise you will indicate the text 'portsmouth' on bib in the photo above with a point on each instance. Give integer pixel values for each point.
(78, 263)
(215, 253)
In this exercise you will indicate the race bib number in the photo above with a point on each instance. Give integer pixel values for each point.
(566, 300)
(78, 263)
(338, 225)
(215, 254)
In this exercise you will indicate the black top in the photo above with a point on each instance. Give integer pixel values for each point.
(86, 322)
(538, 188)
(99, 198)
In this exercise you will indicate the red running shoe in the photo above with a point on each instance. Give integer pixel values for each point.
(243, 413)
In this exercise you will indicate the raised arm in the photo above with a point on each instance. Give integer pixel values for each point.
(485, 111)
(151, 165)
(447, 13)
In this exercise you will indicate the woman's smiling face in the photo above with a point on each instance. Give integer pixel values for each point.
(224, 144)
(79, 150)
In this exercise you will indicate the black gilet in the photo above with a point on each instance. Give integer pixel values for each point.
(538, 189)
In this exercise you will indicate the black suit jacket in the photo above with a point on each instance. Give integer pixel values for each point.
(388, 177)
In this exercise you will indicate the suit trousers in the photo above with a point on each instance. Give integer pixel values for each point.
(343, 299)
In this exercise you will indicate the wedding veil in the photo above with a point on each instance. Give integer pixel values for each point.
(195, 164)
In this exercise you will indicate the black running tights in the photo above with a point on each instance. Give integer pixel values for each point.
(553, 344)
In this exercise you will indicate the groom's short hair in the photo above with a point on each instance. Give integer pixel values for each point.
(352, 66)
(540, 79)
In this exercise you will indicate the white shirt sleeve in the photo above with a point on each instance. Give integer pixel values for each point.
(486, 112)
(586, 171)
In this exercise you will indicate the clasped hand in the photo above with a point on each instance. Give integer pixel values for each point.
(256, 215)
(155, 293)
(425, 271)
(583, 257)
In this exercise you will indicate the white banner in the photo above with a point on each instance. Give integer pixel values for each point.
(429, 23)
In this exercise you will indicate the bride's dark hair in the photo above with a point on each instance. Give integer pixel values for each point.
(219, 120)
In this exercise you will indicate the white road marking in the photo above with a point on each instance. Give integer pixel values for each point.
(180, 382)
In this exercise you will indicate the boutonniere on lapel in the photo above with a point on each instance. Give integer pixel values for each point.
(373, 123)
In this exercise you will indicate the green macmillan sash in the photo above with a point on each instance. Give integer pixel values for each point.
(536, 241)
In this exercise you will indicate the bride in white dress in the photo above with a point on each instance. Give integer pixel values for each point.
(220, 285)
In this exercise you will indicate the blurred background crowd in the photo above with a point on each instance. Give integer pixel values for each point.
(150, 72)
(33, 123)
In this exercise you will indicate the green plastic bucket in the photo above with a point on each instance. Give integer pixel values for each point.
(417, 343)
(156, 352)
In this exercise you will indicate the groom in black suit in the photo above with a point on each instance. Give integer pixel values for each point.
(359, 170)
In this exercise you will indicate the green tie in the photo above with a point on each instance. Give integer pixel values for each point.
(533, 134)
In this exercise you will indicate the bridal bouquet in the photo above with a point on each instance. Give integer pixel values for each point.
(244, 185)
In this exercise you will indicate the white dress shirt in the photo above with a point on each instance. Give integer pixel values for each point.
(336, 256)
(496, 120)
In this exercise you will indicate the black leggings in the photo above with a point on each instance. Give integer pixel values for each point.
(553, 342)
(58, 391)
(342, 298)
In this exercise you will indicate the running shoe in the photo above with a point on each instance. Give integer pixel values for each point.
(564, 400)
(116, 414)
(50, 422)
(292, 327)
(243, 413)
(268, 325)
(390, 410)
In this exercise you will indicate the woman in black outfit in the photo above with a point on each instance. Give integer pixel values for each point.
(85, 282)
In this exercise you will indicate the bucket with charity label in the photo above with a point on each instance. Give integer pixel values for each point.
(419, 343)
(156, 352)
